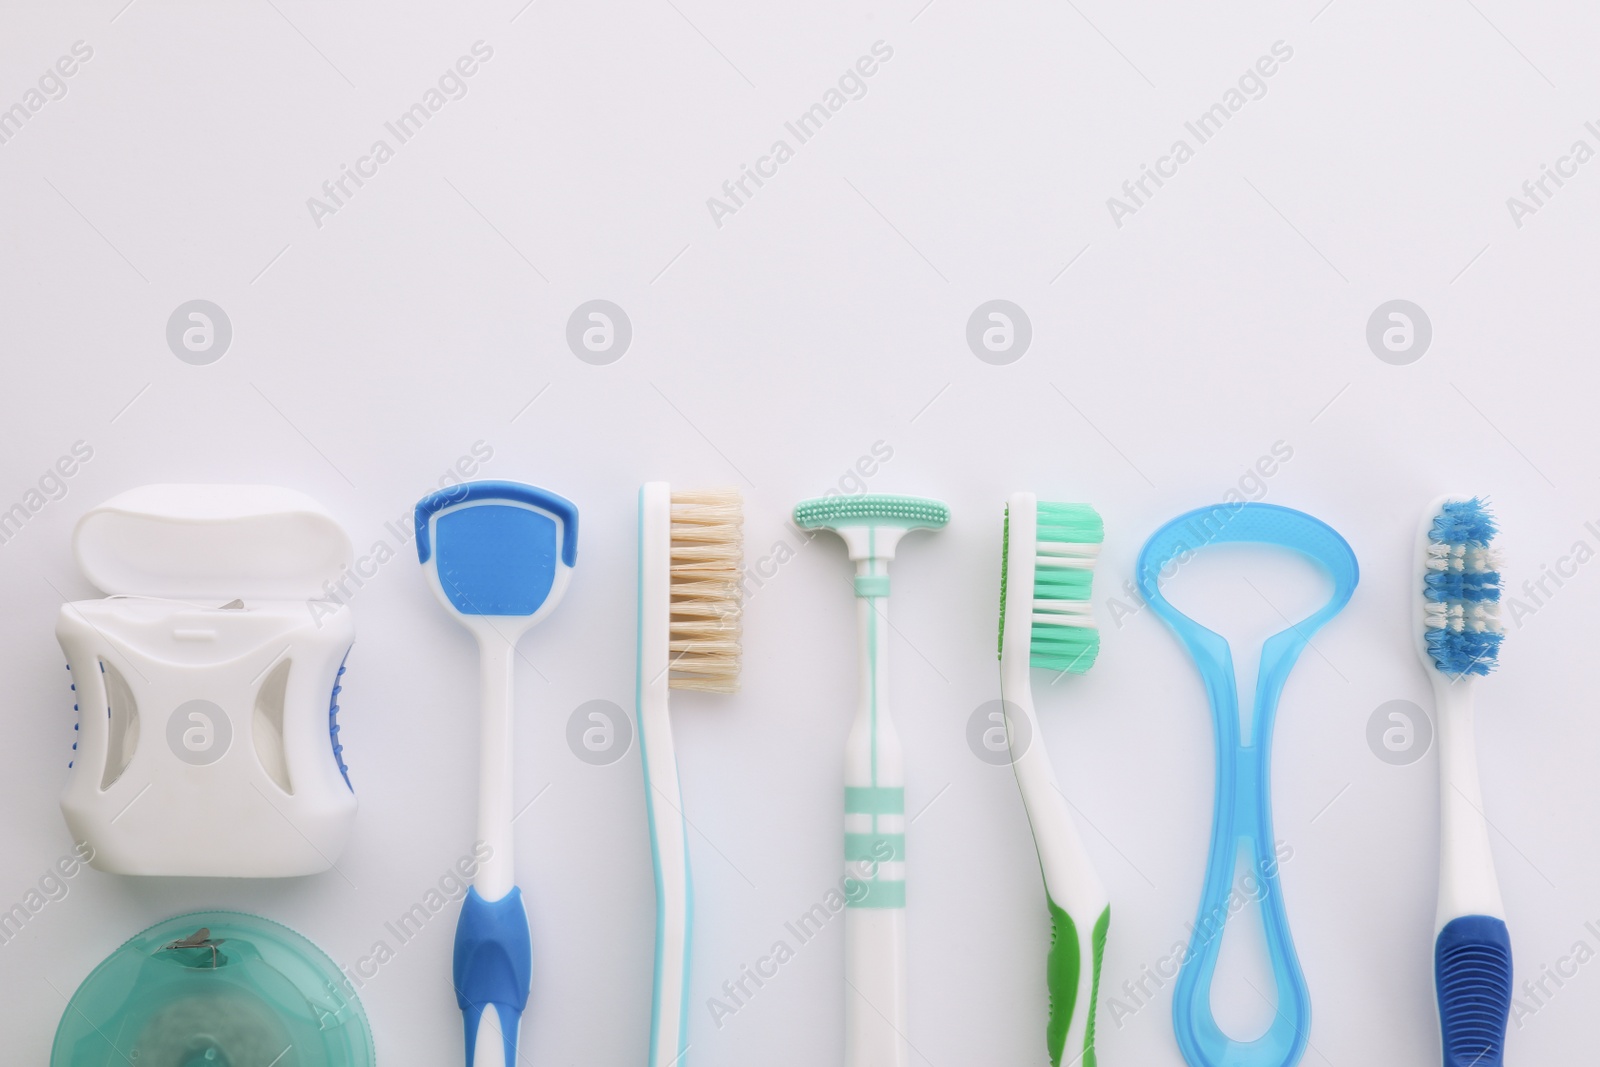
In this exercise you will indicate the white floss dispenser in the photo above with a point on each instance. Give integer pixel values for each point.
(207, 684)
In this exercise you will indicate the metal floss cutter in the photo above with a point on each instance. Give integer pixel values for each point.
(1242, 817)
(207, 684)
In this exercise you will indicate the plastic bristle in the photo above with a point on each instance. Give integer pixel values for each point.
(1064, 637)
(1464, 522)
(1461, 590)
(706, 554)
(1070, 522)
(1063, 648)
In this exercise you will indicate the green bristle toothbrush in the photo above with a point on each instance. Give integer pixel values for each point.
(1047, 565)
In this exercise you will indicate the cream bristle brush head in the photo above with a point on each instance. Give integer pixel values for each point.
(706, 555)
(690, 558)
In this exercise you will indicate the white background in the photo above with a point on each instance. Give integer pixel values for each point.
(772, 352)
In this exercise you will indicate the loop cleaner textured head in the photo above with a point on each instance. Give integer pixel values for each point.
(215, 989)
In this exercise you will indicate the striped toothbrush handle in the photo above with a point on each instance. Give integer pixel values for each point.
(875, 928)
(874, 848)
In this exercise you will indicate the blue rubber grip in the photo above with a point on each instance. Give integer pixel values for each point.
(493, 965)
(1472, 974)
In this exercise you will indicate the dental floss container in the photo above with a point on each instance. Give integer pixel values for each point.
(207, 682)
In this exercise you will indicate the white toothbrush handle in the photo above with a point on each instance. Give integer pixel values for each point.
(663, 796)
(1467, 882)
(1473, 971)
(669, 847)
(875, 824)
(1074, 892)
(875, 990)
(1069, 874)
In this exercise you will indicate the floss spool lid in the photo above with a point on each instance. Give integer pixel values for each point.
(215, 542)
(215, 989)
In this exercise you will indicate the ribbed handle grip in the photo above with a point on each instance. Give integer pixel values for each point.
(1070, 949)
(1472, 974)
(493, 967)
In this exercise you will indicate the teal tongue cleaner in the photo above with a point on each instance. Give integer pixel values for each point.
(1242, 816)
(215, 989)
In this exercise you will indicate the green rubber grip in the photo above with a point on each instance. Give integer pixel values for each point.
(1062, 969)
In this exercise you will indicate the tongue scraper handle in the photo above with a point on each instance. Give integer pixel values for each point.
(493, 964)
(501, 555)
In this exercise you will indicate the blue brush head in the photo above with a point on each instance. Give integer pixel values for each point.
(1461, 588)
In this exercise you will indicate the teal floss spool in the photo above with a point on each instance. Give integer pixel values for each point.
(215, 989)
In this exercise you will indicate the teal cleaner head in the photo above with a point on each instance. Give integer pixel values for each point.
(210, 989)
(873, 524)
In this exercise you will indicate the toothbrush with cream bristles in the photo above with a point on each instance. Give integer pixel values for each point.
(1458, 635)
(1046, 571)
(690, 547)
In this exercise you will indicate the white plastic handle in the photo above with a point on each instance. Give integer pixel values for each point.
(875, 990)
(875, 937)
(1467, 882)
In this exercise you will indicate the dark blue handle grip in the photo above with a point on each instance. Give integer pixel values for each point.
(1472, 974)
(493, 965)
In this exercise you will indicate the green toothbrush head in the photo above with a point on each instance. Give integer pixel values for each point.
(1065, 545)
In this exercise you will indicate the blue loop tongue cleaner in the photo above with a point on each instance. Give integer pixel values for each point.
(1242, 817)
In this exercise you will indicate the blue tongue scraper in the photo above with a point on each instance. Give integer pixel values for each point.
(499, 556)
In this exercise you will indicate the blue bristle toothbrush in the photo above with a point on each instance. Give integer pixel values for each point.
(499, 556)
(1458, 634)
